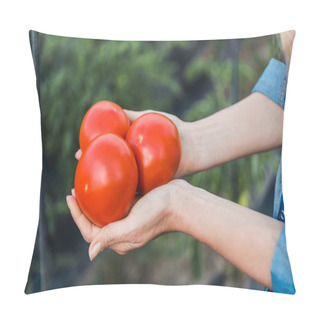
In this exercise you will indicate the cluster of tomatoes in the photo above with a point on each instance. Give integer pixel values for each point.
(118, 160)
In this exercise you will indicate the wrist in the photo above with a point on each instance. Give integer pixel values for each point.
(199, 143)
(180, 193)
(188, 146)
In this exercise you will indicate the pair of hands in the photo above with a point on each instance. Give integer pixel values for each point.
(149, 217)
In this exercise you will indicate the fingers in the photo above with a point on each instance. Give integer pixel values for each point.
(87, 229)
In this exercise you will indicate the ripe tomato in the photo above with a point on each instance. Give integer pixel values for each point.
(155, 142)
(106, 179)
(103, 117)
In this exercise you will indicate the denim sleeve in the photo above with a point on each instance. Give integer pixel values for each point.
(281, 275)
(273, 82)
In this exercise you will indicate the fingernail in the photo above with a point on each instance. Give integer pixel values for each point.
(95, 251)
(73, 192)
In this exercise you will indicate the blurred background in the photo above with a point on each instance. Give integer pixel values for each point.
(191, 79)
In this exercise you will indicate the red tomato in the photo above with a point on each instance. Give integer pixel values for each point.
(155, 142)
(106, 179)
(103, 117)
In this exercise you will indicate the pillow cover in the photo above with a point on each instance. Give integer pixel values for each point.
(189, 79)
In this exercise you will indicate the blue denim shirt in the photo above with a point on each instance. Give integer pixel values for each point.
(273, 83)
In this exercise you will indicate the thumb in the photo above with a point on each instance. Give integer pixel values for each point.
(101, 241)
(106, 237)
(133, 115)
(95, 249)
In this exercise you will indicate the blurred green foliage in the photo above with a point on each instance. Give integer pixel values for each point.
(192, 79)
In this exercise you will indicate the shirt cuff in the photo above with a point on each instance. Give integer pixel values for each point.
(273, 82)
(281, 275)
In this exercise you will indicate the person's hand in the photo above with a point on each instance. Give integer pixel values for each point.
(151, 216)
(185, 166)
